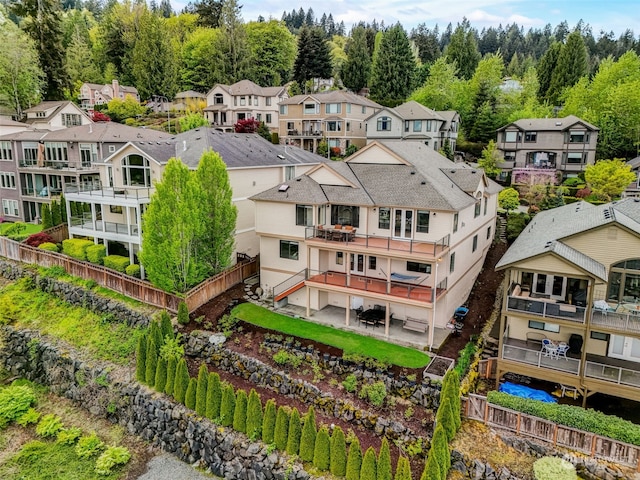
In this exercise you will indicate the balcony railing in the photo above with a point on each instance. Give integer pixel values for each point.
(611, 373)
(95, 189)
(42, 192)
(624, 322)
(55, 165)
(84, 222)
(538, 359)
(546, 308)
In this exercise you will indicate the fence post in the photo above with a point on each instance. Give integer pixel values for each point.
(518, 422)
(486, 411)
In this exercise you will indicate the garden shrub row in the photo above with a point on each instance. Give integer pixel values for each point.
(160, 363)
(570, 416)
(86, 250)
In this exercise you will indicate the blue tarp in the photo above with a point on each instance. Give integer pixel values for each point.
(526, 392)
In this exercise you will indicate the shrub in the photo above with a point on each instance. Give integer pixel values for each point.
(403, 469)
(295, 431)
(156, 334)
(583, 193)
(165, 325)
(368, 471)
(37, 239)
(76, 248)
(308, 438)
(89, 446)
(29, 417)
(47, 221)
(96, 254)
(110, 458)
(116, 262)
(68, 436)
(444, 418)
(354, 460)
(171, 375)
(384, 461)
(15, 401)
(432, 469)
(440, 449)
(141, 358)
(338, 465)
(214, 396)
(321, 451)
(515, 224)
(151, 362)
(190, 396)
(350, 383)
(181, 382)
(201, 391)
(281, 429)
(227, 406)
(49, 247)
(183, 313)
(49, 425)
(240, 413)
(133, 270)
(374, 392)
(254, 415)
(269, 422)
(554, 468)
(161, 375)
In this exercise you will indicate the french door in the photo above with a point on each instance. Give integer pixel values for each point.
(403, 223)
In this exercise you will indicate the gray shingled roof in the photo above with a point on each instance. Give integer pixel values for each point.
(93, 132)
(46, 105)
(547, 230)
(549, 124)
(413, 110)
(190, 94)
(7, 122)
(301, 189)
(332, 96)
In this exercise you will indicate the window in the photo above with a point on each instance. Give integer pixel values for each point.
(284, 109)
(486, 204)
(530, 136)
(289, 249)
(5, 151)
(406, 125)
(304, 215)
(577, 136)
(348, 108)
(624, 281)
(267, 101)
(423, 221)
(339, 258)
(322, 215)
(417, 125)
(218, 99)
(428, 125)
(364, 109)
(348, 127)
(311, 108)
(290, 125)
(136, 171)
(112, 148)
(418, 267)
(455, 222)
(345, 215)
(255, 101)
(71, 119)
(600, 336)
(268, 119)
(547, 327)
(511, 136)
(476, 211)
(289, 172)
(259, 117)
(509, 156)
(333, 108)
(574, 158)
(384, 124)
(475, 243)
(334, 126)
(373, 263)
(10, 207)
(452, 262)
(56, 151)
(30, 153)
(243, 101)
(41, 114)
(488, 232)
(8, 180)
(115, 209)
(384, 218)
(88, 153)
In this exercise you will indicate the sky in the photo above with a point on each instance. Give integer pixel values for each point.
(608, 15)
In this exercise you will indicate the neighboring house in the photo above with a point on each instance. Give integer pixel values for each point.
(188, 99)
(227, 104)
(416, 222)
(127, 176)
(632, 190)
(37, 165)
(566, 145)
(413, 121)
(54, 115)
(574, 277)
(8, 126)
(92, 94)
(337, 116)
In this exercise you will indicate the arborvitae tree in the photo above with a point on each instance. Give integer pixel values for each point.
(183, 313)
(295, 431)
(385, 471)
(240, 413)
(161, 375)
(190, 396)
(368, 471)
(432, 469)
(141, 359)
(156, 333)
(56, 218)
(338, 465)
(269, 422)
(151, 362)
(201, 393)
(322, 450)
(165, 325)
(308, 439)
(281, 430)
(254, 415)
(181, 382)
(440, 448)
(444, 419)
(46, 217)
(171, 375)
(214, 396)
(227, 406)
(357, 68)
(354, 460)
(63, 208)
(403, 469)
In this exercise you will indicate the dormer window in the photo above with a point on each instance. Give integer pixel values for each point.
(41, 114)
(218, 99)
(384, 124)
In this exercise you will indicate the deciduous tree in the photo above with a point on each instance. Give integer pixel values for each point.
(272, 48)
(609, 178)
(490, 159)
(509, 199)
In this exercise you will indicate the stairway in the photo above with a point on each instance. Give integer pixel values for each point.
(501, 229)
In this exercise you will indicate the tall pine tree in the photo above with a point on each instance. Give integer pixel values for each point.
(357, 69)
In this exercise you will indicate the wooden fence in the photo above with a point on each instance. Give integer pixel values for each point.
(476, 407)
(130, 286)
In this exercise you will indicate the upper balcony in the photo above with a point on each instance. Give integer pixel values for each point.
(56, 165)
(546, 308)
(305, 133)
(96, 193)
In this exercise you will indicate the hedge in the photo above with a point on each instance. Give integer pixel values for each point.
(133, 270)
(50, 247)
(570, 416)
(96, 254)
(76, 248)
(116, 262)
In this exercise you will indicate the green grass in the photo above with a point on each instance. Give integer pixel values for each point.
(30, 228)
(350, 343)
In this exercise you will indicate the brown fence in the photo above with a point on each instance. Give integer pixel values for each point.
(127, 285)
(59, 232)
(476, 407)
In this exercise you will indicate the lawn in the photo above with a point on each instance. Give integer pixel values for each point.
(30, 228)
(349, 342)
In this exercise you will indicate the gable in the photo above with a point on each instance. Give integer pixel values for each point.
(128, 149)
(550, 263)
(375, 153)
(324, 175)
(607, 244)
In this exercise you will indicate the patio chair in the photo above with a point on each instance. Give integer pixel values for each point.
(562, 350)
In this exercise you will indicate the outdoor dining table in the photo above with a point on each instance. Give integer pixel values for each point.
(632, 308)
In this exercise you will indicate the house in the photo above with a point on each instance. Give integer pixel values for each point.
(37, 165)
(337, 116)
(126, 182)
(632, 190)
(8, 126)
(92, 94)
(188, 100)
(396, 228)
(227, 104)
(574, 277)
(414, 121)
(54, 115)
(563, 145)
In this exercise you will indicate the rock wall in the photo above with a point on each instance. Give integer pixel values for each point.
(143, 412)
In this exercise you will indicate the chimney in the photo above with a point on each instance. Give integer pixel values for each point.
(116, 88)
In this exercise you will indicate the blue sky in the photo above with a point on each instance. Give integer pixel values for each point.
(616, 15)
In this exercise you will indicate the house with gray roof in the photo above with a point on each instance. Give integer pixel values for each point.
(574, 281)
(553, 145)
(92, 94)
(396, 228)
(54, 115)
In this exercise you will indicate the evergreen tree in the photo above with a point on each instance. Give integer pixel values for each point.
(295, 431)
(403, 469)
(322, 450)
(254, 415)
(432, 469)
(190, 396)
(445, 419)
(308, 439)
(313, 60)
(181, 382)
(338, 465)
(357, 69)
(214, 396)
(161, 375)
(573, 64)
(47, 222)
(233, 52)
(201, 393)
(156, 333)
(354, 460)
(441, 449)
(281, 430)
(463, 50)
(427, 42)
(56, 218)
(165, 325)
(171, 375)
(368, 471)
(63, 209)
(151, 362)
(384, 462)
(183, 313)
(545, 68)
(165, 8)
(269, 422)
(227, 406)
(141, 359)
(240, 412)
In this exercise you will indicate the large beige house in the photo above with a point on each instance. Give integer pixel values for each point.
(55, 115)
(92, 94)
(574, 278)
(414, 229)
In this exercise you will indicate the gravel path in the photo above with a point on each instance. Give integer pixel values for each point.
(167, 467)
